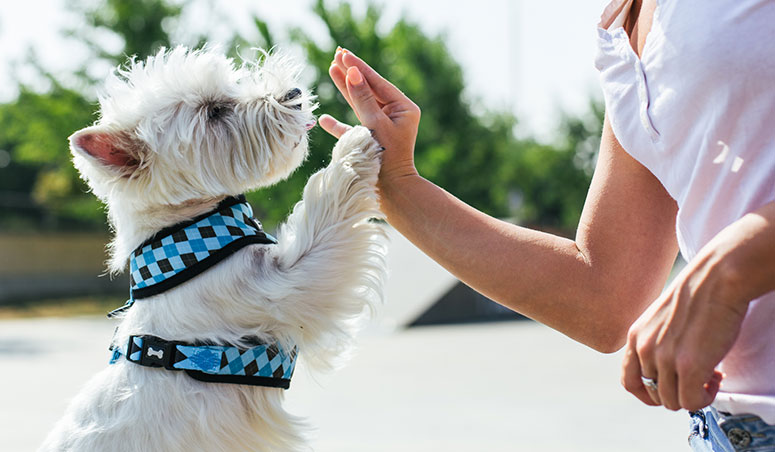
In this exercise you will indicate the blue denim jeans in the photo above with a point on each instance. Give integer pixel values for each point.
(712, 431)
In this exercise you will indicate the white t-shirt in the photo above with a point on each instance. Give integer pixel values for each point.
(698, 110)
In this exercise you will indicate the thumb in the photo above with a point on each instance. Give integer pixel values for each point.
(712, 387)
(364, 102)
(333, 126)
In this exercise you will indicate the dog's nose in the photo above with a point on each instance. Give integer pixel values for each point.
(293, 94)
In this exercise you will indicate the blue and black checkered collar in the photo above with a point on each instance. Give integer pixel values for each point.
(180, 252)
(174, 256)
(260, 364)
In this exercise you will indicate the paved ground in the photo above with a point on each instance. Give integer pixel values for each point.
(490, 387)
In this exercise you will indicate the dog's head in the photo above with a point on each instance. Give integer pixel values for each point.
(185, 125)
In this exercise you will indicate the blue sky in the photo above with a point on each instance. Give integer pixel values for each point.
(530, 56)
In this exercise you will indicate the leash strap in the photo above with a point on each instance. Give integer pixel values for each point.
(262, 365)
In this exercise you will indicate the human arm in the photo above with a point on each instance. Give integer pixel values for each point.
(591, 288)
(682, 337)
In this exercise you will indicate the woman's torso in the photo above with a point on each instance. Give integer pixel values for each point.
(697, 108)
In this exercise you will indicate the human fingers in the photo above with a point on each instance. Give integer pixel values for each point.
(712, 387)
(338, 58)
(697, 393)
(667, 388)
(364, 103)
(339, 77)
(384, 91)
(333, 126)
(631, 376)
(651, 381)
(644, 349)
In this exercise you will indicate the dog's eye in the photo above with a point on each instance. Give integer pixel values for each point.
(292, 95)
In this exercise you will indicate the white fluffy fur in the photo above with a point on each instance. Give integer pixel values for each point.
(307, 290)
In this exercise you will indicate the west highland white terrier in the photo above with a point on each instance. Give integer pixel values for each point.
(219, 309)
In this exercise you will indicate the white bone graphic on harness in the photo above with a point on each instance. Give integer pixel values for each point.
(157, 353)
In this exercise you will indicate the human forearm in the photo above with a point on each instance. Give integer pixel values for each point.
(590, 289)
(540, 275)
(743, 256)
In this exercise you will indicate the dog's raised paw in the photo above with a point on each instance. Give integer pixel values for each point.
(357, 140)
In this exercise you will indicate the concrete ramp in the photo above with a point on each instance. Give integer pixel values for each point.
(415, 283)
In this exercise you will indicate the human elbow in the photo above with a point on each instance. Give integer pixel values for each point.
(611, 337)
(608, 345)
(615, 313)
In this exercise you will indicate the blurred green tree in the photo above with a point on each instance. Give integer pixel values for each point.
(551, 181)
(39, 188)
(475, 156)
(456, 148)
(143, 26)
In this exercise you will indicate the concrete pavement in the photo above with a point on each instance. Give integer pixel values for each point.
(514, 386)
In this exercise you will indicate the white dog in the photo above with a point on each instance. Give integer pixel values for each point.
(179, 137)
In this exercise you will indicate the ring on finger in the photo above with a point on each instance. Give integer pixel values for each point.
(649, 383)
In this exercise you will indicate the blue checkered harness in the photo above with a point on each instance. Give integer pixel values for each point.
(260, 365)
(174, 256)
(177, 254)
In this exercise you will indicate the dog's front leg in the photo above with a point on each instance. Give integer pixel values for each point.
(331, 252)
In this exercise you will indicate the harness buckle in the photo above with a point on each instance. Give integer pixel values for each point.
(156, 352)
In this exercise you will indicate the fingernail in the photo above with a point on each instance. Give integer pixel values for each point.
(338, 49)
(354, 76)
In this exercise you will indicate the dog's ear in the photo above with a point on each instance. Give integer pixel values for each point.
(116, 151)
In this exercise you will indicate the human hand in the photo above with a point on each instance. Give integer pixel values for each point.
(392, 117)
(680, 339)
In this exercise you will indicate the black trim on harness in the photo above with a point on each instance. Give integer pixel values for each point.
(270, 382)
(169, 230)
(200, 266)
(161, 353)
